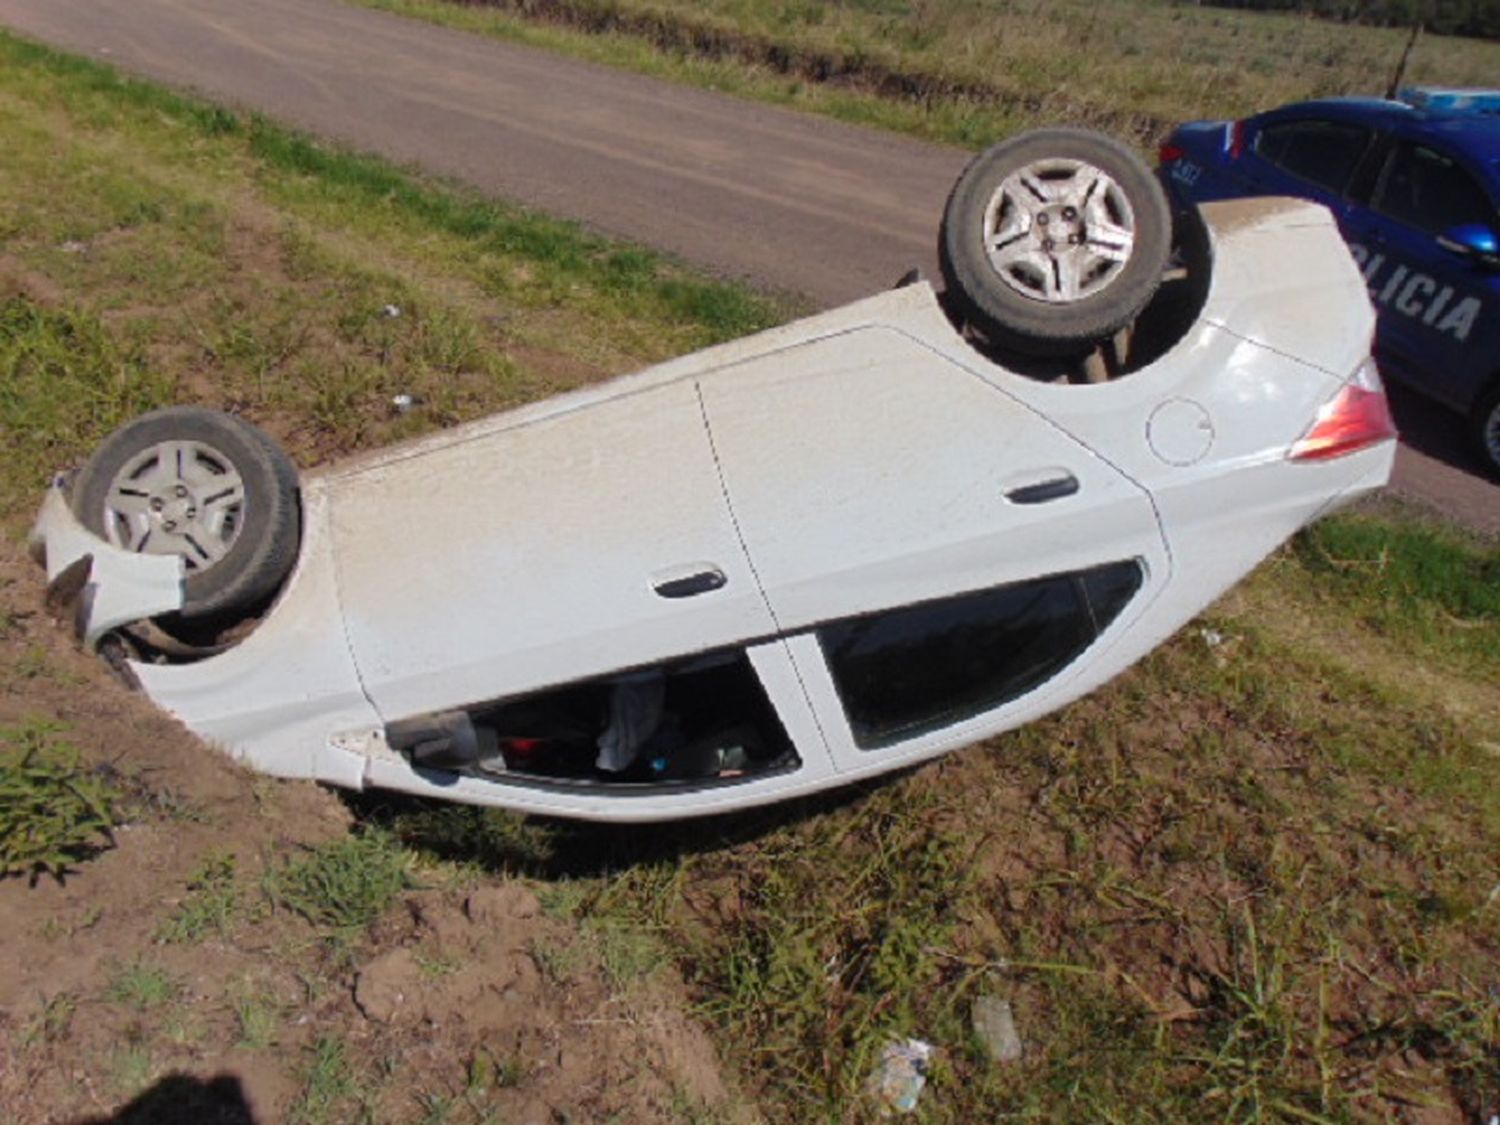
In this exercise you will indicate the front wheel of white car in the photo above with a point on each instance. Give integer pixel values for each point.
(1486, 430)
(205, 486)
(1054, 240)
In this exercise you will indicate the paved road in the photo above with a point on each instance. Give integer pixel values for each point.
(787, 200)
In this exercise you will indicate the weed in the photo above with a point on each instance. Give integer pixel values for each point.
(436, 1109)
(258, 1017)
(33, 664)
(55, 927)
(53, 813)
(484, 1074)
(510, 1072)
(560, 962)
(12, 621)
(565, 898)
(131, 1069)
(629, 954)
(436, 966)
(163, 802)
(141, 985)
(212, 903)
(345, 885)
(53, 1021)
(327, 1085)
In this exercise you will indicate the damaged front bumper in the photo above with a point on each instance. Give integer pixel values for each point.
(99, 585)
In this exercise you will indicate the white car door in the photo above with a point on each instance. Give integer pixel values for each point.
(552, 547)
(869, 474)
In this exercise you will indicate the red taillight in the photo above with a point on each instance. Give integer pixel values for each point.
(1236, 144)
(1358, 417)
(1168, 152)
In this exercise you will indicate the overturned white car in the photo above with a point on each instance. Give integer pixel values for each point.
(817, 554)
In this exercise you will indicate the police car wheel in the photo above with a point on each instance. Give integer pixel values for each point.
(1487, 430)
(1054, 240)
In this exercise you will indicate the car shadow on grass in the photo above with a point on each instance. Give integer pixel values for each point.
(550, 848)
(182, 1099)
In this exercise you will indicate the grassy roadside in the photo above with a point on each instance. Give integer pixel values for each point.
(193, 252)
(238, 940)
(970, 71)
(1254, 878)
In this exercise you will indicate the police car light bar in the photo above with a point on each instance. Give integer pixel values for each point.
(1449, 101)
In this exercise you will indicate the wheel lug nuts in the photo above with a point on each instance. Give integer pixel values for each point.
(1042, 220)
(1069, 214)
(192, 513)
(180, 490)
(169, 525)
(1047, 244)
(157, 504)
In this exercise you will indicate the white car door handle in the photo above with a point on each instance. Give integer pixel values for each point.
(687, 581)
(1041, 491)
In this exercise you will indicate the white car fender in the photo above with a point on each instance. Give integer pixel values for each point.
(277, 698)
(119, 587)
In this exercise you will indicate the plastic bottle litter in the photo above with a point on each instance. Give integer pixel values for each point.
(897, 1084)
(995, 1025)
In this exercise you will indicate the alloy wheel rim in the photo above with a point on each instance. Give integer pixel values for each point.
(1059, 231)
(181, 498)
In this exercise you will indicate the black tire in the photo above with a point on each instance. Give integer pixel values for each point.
(238, 550)
(1485, 430)
(1024, 304)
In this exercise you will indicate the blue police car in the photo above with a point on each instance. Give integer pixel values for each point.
(1415, 187)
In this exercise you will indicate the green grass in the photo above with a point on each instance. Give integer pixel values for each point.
(54, 813)
(212, 905)
(65, 382)
(328, 1087)
(161, 249)
(131, 1069)
(971, 71)
(142, 985)
(345, 885)
(53, 1022)
(258, 1016)
(1253, 879)
(1431, 588)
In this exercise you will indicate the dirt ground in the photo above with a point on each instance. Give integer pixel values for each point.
(446, 1001)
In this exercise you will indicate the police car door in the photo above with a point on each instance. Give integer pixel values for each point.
(1311, 158)
(1436, 322)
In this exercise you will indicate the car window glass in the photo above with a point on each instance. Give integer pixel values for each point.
(923, 667)
(1429, 190)
(1322, 152)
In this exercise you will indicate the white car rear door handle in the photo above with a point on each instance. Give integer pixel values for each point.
(1053, 485)
(687, 581)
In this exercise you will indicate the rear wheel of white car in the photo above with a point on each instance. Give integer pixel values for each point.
(1487, 430)
(1054, 240)
(205, 486)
